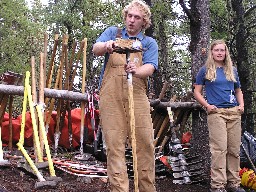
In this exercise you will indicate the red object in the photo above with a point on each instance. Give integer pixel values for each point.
(165, 161)
(64, 137)
(242, 171)
(16, 127)
(186, 137)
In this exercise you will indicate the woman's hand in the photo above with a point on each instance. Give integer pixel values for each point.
(241, 108)
(210, 107)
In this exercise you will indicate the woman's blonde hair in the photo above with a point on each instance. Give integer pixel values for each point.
(211, 67)
(143, 7)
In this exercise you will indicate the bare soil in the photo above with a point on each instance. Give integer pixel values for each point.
(17, 179)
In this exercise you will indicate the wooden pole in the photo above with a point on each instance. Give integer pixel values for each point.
(51, 66)
(66, 104)
(132, 125)
(68, 86)
(161, 130)
(33, 117)
(48, 83)
(10, 123)
(83, 103)
(3, 105)
(33, 80)
(34, 95)
(77, 63)
(41, 97)
(60, 101)
(161, 95)
(44, 59)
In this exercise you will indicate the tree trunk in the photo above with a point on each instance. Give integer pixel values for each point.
(156, 81)
(243, 64)
(199, 16)
(150, 31)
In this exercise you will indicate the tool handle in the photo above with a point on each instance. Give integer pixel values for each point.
(95, 145)
(129, 78)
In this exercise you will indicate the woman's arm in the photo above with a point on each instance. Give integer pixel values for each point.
(240, 98)
(198, 95)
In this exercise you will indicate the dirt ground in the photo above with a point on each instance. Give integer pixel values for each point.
(14, 178)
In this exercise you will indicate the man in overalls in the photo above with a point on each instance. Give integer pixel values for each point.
(113, 105)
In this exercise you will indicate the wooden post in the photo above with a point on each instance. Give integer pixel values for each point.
(83, 103)
(34, 95)
(10, 123)
(60, 101)
(41, 97)
(51, 66)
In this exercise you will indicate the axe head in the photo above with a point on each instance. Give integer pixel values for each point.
(125, 46)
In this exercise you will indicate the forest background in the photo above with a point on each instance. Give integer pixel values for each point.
(182, 28)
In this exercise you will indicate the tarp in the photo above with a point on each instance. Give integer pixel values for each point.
(249, 143)
(64, 137)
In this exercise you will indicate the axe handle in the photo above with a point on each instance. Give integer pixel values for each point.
(161, 96)
(51, 66)
(161, 130)
(83, 50)
(10, 123)
(132, 125)
(133, 138)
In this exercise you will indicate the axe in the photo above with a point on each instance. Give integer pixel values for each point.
(127, 52)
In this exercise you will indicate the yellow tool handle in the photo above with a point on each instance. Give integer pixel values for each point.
(29, 160)
(44, 135)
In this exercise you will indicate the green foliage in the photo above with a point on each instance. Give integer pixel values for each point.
(219, 19)
(19, 35)
(21, 32)
(171, 30)
(82, 19)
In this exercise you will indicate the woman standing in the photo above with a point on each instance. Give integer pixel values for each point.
(224, 104)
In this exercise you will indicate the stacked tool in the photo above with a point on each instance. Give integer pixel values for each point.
(185, 167)
(177, 159)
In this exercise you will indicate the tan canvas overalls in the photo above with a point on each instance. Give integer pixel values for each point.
(114, 115)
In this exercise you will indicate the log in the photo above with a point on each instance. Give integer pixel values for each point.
(175, 105)
(51, 93)
(77, 96)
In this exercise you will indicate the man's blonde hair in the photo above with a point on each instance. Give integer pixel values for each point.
(211, 67)
(143, 7)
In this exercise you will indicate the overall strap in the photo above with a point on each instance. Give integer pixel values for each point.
(119, 33)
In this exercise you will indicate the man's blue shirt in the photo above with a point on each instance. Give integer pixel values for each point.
(220, 92)
(150, 55)
(149, 45)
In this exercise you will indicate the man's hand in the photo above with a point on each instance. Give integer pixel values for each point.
(130, 67)
(109, 46)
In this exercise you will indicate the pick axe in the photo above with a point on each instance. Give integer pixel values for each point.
(127, 52)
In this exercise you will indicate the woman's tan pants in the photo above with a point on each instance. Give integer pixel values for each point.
(225, 139)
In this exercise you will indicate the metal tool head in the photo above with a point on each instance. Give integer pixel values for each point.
(124, 50)
(124, 46)
(4, 163)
